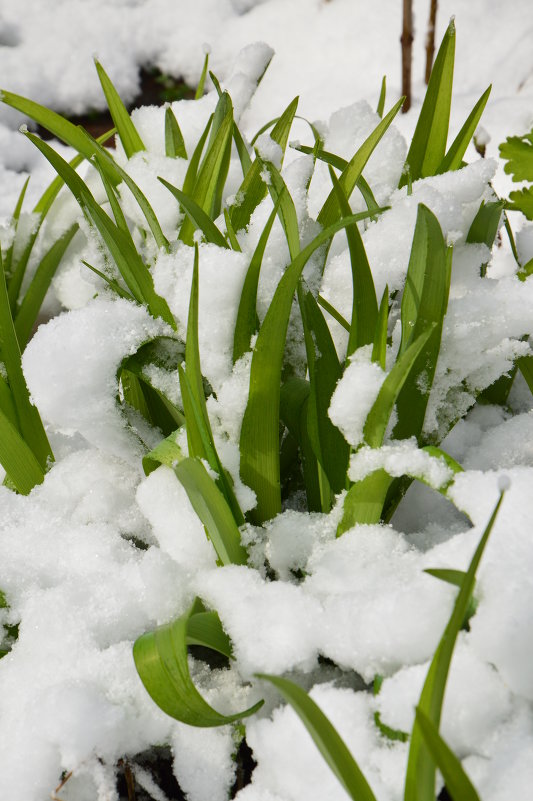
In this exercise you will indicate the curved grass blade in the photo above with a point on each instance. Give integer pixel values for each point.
(197, 216)
(364, 303)
(364, 501)
(40, 283)
(174, 142)
(331, 449)
(326, 738)
(252, 189)
(428, 145)
(458, 785)
(131, 141)
(161, 660)
(230, 233)
(132, 268)
(213, 510)
(205, 629)
(247, 322)
(259, 444)
(330, 211)
(333, 312)
(29, 421)
(42, 208)
(167, 452)
(281, 197)
(454, 157)
(484, 227)
(421, 767)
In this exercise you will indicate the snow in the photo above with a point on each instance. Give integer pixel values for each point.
(99, 553)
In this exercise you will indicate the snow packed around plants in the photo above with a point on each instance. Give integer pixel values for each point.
(103, 550)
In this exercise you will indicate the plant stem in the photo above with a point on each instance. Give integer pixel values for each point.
(430, 38)
(407, 48)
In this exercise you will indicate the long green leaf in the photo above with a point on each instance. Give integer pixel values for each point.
(8, 255)
(161, 661)
(131, 141)
(135, 273)
(259, 434)
(40, 283)
(212, 172)
(364, 302)
(213, 510)
(253, 189)
(379, 347)
(327, 739)
(458, 785)
(30, 424)
(194, 161)
(331, 449)
(424, 302)
(247, 323)
(205, 629)
(283, 201)
(454, 157)
(330, 211)
(197, 216)
(421, 768)
(428, 145)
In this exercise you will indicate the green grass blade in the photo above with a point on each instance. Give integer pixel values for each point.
(29, 421)
(379, 347)
(364, 501)
(455, 577)
(174, 142)
(428, 145)
(263, 128)
(230, 233)
(327, 739)
(282, 199)
(330, 210)
(192, 347)
(242, 150)
(247, 323)
(212, 173)
(331, 449)
(17, 458)
(161, 660)
(333, 312)
(424, 303)
(420, 776)
(197, 216)
(525, 365)
(194, 162)
(293, 409)
(135, 273)
(40, 283)
(454, 157)
(111, 282)
(116, 209)
(259, 444)
(213, 510)
(131, 141)
(205, 629)
(167, 452)
(253, 189)
(223, 108)
(378, 418)
(8, 255)
(201, 83)
(382, 96)
(364, 303)
(458, 785)
(484, 227)
(7, 404)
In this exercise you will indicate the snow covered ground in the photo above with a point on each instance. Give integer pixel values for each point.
(70, 698)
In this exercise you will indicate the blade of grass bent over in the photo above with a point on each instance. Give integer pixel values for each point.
(283, 201)
(259, 444)
(421, 769)
(328, 741)
(161, 660)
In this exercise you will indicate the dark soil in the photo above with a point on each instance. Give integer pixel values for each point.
(155, 89)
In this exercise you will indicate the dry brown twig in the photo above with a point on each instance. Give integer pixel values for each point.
(430, 38)
(407, 52)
